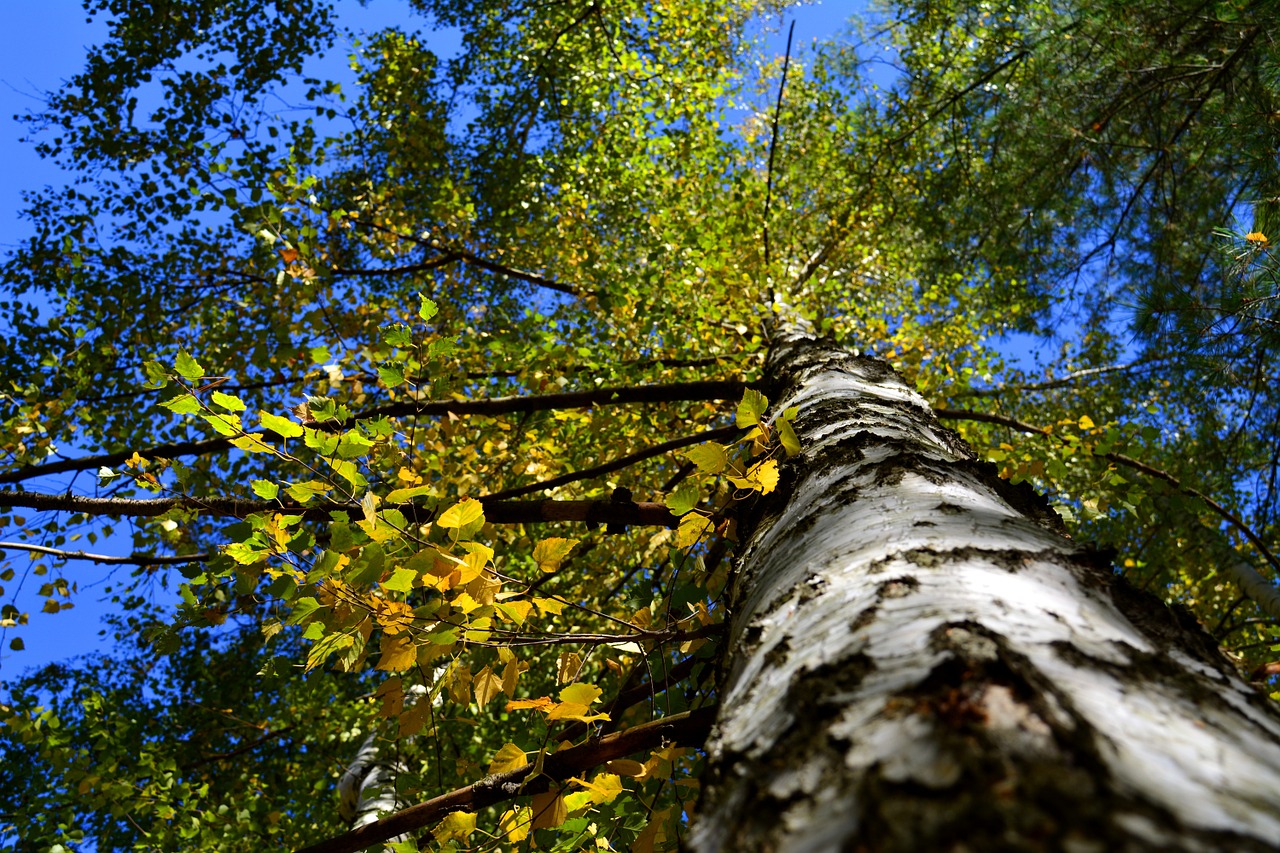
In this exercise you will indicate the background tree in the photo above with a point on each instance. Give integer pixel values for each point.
(334, 354)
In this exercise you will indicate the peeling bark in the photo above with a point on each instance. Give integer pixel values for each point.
(918, 658)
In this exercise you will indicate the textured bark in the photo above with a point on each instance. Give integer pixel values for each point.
(919, 659)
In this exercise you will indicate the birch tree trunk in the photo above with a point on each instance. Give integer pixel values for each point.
(920, 659)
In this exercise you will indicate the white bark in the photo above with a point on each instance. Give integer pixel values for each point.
(919, 659)
(367, 787)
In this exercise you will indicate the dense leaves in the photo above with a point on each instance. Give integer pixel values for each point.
(443, 380)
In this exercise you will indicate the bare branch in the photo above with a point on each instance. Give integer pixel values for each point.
(131, 560)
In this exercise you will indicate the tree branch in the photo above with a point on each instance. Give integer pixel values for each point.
(1263, 593)
(496, 511)
(618, 464)
(131, 560)
(675, 392)
(687, 729)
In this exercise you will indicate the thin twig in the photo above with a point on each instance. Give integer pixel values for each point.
(773, 144)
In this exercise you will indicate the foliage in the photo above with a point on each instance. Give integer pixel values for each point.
(336, 355)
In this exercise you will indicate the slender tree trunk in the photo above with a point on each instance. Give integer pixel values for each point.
(920, 659)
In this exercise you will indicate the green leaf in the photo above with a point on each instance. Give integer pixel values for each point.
(265, 489)
(400, 496)
(751, 408)
(157, 376)
(282, 427)
(683, 499)
(228, 402)
(427, 309)
(304, 492)
(224, 424)
(391, 374)
(401, 580)
(349, 471)
(787, 435)
(184, 405)
(188, 368)
(397, 336)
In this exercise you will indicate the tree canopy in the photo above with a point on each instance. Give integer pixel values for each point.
(436, 393)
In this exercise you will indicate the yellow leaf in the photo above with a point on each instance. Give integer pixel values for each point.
(550, 553)
(549, 605)
(625, 767)
(548, 810)
(510, 757)
(567, 666)
(654, 836)
(516, 823)
(393, 616)
(456, 826)
(459, 684)
(511, 675)
(603, 788)
(514, 611)
(1086, 422)
(486, 686)
(283, 427)
(766, 474)
(574, 711)
(391, 694)
(692, 526)
(542, 703)
(398, 653)
(761, 477)
(462, 514)
(251, 443)
(581, 693)
(399, 496)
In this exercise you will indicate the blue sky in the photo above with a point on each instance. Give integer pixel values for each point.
(43, 44)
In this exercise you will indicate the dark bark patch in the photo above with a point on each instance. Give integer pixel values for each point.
(897, 588)
(866, 617)
(1167, 626)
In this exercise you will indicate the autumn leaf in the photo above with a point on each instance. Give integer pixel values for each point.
(548, 810)
(397, 653)
(550, 553)
(462, 514)
(457, 826)
(486, 685)
(542, 703)
(691, 529)
(510, 757)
